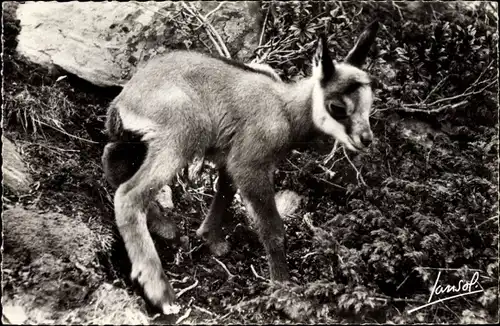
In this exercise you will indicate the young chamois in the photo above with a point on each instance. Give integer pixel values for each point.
(184, 105)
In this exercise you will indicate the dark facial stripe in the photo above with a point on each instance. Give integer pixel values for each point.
(348, 126)
(241, 65)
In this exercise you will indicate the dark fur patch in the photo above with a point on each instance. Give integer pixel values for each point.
(347, 125)
(125, 151)
(121, 160)
(241, 66)
(340, 114)
(326, 63)
(360, 51)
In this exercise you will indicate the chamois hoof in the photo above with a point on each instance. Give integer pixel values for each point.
(218, 246)
(170, 309)
(209, 235)
(156, 288)
(202, 232)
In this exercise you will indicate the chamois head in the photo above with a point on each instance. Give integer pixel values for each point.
(342, 95)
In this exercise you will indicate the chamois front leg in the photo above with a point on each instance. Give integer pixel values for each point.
(257, 191)
(211, 228)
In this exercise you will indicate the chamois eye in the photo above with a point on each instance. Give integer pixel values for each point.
(337, 112)
(352, 88)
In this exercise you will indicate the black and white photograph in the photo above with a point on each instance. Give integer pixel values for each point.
(250, 162)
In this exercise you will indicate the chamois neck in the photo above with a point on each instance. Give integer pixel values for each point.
(298, 107)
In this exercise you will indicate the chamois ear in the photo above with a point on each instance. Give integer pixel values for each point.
(358, 54)
(322, 62)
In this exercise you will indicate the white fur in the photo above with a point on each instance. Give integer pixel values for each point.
(138, 123)
(322, 119)
(149, 128)
(320, 116)
(361, 117)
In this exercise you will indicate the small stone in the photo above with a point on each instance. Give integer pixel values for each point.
(13, 315)
(287, 203)
(184, 240)
(164, 197)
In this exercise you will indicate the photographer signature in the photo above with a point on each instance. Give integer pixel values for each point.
(463, 288)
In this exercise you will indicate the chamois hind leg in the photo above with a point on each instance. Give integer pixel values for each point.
(120, 161)
(132, 200)
(257, 191)
(211, 228)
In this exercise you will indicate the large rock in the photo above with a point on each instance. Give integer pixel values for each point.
(106, 305)
(49, 262)
(16, 176)
(29, 235)
(103, 42)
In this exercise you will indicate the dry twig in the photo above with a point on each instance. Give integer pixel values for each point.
(203, 310)
(183, 317)
(434, 89)
(66, 133)
(309, 254)
(211, 31)
(330, 183)
(417, 107)
(486, 221)
(440, 109)
(224, 267)
(359, 177)
(328, 171)
(192, 286)
(332, 153)
(217, 8)
(214, 42)
(264, 27)
(477, 81)
(257, 275)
